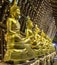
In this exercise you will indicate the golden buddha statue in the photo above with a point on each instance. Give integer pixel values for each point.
(36, 39)
(17, 50)
(36, 33)
(13, 26)
(29, 26)
(43, 43)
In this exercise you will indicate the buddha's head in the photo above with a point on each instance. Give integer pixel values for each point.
(37, 30)
(42, 34)
(14, 10)
(29, 23)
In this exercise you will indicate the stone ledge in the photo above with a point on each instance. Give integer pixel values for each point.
(46, 60)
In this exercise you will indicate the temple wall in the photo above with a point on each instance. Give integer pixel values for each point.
(40, 13)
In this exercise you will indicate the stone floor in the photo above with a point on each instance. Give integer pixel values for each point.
(55, 62)
(8, 64)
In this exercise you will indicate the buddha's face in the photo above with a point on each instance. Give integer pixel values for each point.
(29, 24)
(16, 13)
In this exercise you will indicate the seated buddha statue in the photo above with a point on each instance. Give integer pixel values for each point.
(17, 50)
(37, 36)
(50, 45)
(13, 26)
(36, 33)
(29, 30)
(43, 43)
(43, 40)
(29, 26)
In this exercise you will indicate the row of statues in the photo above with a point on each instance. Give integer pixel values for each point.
(34, 44)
